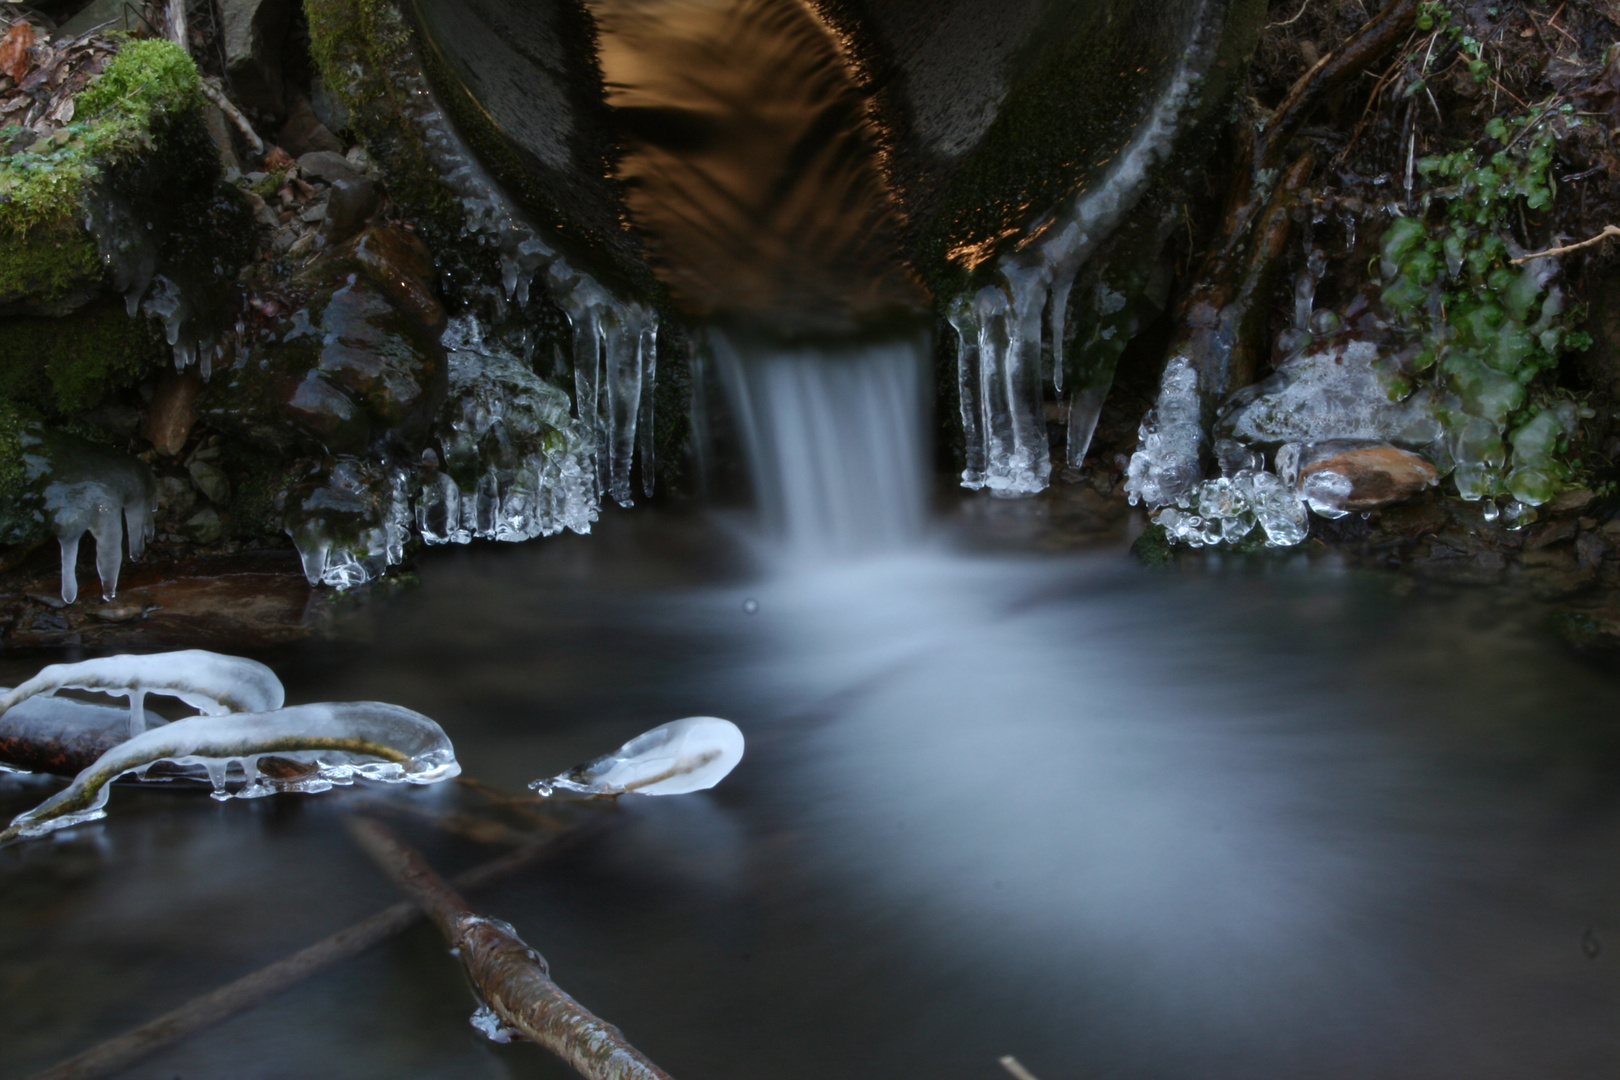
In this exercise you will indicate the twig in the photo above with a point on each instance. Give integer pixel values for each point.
(232, 113)
(1016, 1067)
(174, 14)
(1608, 231)
(119, 1053)
(1303, 8)
(510, 976)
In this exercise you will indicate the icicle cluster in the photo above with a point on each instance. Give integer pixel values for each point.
(1000, 327)
(74, 487)
(615, 341)
(515, 464)
(349, 521)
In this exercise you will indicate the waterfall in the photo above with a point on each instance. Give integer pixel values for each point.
(834, 438)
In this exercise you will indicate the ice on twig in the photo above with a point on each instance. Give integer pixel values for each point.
(313, 746)
(672, 759)
(210, 682)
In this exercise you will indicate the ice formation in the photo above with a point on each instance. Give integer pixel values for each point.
(79, 487)
(999, 327)
(349, 521)
(324, 745)
(510, 463)
(615, 361)
(128, 248)
(210, 682)
(516, 464)
(672, 759)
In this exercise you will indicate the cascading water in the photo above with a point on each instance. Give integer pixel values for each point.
(834, 438)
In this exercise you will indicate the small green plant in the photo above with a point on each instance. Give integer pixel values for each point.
(1484, 327)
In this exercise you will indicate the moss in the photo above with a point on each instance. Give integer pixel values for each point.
(1153, 547)
(63, 366)
(44, 249)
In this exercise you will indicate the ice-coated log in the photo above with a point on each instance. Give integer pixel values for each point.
(210, 682)
(61, 736)
(672, 759)
(334, 742)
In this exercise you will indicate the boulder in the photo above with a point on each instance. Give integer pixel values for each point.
(355, 366)
(303, 133)
(254, 31)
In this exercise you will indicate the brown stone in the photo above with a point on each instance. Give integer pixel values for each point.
(14, 58)
(170, 417)
(303, 133)
(1379, 475)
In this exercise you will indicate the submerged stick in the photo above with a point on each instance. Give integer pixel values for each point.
(511, 977)
(202, 1012)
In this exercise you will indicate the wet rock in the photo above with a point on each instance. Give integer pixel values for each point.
(171, 416)
(175, 497)
(1350, 477)
(254, 31)
(1590, 548)
(203, 527)
(327, 165)
(1555, 533)
(326, 106)
(303, 133)
(355, 366)
(211, 481)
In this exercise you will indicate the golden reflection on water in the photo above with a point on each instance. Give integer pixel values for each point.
(750, 166)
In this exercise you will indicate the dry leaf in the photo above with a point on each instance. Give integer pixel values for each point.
(14, 58)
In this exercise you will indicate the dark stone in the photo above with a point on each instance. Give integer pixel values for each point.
(328, 165)
(303, 133)
(349, 205)
(170, 417)
(356, 366)
(254, 31)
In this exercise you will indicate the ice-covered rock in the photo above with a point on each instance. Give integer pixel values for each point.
(672, 759)
(349, 520)
(516, 464)
(1349, 475)
(1336, 391)
(60, 735)
(314, 747)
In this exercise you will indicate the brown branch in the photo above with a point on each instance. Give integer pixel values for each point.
(1608, 231)
(1380, 35)
(510, 976)
(211, 1008)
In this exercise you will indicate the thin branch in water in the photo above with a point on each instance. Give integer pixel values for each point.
(511, 978)
(1608, 231)
(119, 1053)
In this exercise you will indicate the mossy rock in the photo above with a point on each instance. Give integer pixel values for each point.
(46, 254)
(61, 366)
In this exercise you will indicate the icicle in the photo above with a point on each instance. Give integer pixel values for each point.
(649, 380)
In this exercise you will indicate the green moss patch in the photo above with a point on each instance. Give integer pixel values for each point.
(64, 366)
(45, 251)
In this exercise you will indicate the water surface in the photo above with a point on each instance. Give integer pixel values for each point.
(1266, 820)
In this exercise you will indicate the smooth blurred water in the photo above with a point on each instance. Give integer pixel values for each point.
(1271, 820)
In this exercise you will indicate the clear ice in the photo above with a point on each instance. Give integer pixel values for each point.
(516, 464)
(510, 464)
(84, 488)
(349, 521)
(212, 683)
(336, 742)
(1000, 327)
(687, 755)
